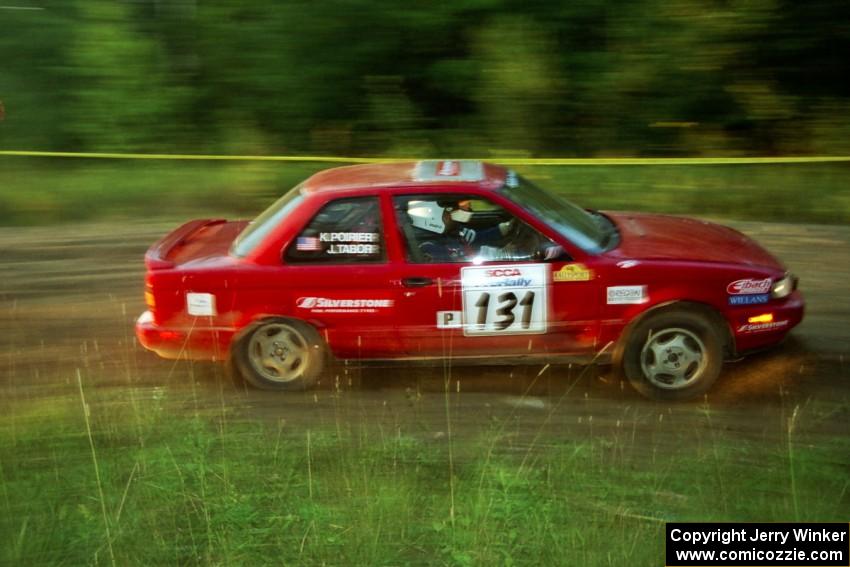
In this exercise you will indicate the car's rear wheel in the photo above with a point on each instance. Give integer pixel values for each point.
(280, 354)
(673, 355)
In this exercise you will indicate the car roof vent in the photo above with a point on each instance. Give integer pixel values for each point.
(448, 170)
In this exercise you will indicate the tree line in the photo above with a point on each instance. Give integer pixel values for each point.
(467, 77)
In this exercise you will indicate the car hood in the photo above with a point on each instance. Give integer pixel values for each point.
(665, 237)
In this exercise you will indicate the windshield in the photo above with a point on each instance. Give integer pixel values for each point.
(591, 232)
(260, 227)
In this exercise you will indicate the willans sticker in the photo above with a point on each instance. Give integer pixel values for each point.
(753, 299)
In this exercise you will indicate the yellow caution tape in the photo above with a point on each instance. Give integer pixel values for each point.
(504, 161)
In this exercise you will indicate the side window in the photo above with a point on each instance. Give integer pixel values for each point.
(343, 231)
(465, 228)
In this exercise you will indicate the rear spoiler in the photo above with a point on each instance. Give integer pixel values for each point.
(155, 257)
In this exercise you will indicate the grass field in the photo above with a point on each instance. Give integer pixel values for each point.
(141, 476)
(44, 191)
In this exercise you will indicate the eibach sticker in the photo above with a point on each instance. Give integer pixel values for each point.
(749, 286)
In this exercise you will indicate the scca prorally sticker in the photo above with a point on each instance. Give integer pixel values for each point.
(330, 305)
(573, 273)
(627, 294)
(200, 304)
(762, 327)
(505, 300)
(350, 242)
(449, 319)
(749, 286)
(754, 299)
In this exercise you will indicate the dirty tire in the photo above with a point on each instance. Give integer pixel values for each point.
(673, 355)
(280, 354)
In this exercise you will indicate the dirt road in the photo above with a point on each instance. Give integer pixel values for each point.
(69, 296)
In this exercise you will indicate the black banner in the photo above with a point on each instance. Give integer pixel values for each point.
(761, 545)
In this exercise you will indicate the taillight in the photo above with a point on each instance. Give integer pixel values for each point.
(149, 300)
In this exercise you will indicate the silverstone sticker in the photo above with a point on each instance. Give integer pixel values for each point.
(505, 300)
(329, 305)
(761, 327)
(573, 273)
(749, 286)
(351, 242)
(449, 319)
(200, 304)
(754, 299)
(627, 294)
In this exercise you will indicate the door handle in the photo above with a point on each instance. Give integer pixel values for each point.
(416, 282)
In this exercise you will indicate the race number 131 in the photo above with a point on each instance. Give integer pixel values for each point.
(505, 300)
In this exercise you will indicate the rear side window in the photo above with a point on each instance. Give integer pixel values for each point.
(260, 228)
(343, 231)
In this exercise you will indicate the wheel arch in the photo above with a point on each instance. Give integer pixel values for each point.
(711, 313)
(259, 318)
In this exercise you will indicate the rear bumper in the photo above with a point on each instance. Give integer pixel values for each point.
(760, 334)
(192, 343)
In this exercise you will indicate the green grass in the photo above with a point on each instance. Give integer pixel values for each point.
(45, 191)
(789, 193)
(178, 483)
(50, 191)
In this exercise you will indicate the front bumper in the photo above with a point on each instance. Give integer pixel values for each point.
(786, 315)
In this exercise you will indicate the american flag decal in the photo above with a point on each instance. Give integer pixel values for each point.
(308, 244)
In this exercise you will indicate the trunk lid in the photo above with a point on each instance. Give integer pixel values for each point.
(194, 241)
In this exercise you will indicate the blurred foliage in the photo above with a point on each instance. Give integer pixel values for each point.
(470, 77)
(61, 190)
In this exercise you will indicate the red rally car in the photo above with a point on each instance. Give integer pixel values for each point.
(466, 260)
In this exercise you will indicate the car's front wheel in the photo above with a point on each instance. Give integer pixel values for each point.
(673, 355)
(280, 354)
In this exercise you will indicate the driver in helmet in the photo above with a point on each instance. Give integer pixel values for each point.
(446, 235)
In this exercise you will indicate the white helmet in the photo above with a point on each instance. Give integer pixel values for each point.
(427, 215)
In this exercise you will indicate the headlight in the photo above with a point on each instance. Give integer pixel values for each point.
(784, 286)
